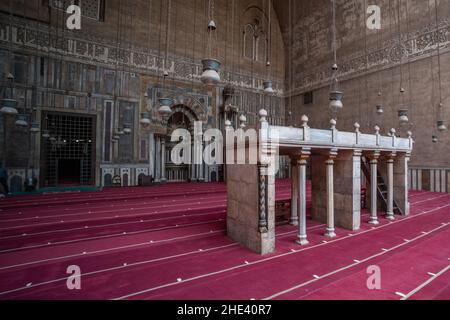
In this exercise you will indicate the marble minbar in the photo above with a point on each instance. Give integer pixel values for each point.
(336, 159)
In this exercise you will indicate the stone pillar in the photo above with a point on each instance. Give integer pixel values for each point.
(251, 207)
(401, 183)
(163, 159)
(151, 154)
(374, 189)
(201, 171)
(294, 192)
(193, 174)
(251, 201)
(330, 233)
(201, 168)
(390, 187)
(301, 169)
(158, 159)
(319, 188)
(347, 189)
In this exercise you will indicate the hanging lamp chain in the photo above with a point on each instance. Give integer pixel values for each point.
(334, 33)
(438, 52)
(269, 42)
(334, 84)
(211, 25)
(166, 55)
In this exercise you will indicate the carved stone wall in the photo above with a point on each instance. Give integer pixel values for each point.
(371, 61)
(117, 61)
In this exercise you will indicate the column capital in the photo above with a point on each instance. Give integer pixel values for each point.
(333, 153)
(374, 156)
(304, 154)
(391, 156)
(357, 153)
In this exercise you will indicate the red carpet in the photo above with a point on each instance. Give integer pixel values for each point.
(169, 242)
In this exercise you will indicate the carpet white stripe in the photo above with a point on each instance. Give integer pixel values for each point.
(28, 286)
(275, 257)
(426, 283)
(110, 236)
(349, 266)
(109, 225)
(151, 242)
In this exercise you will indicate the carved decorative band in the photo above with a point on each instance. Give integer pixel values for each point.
(263, 201)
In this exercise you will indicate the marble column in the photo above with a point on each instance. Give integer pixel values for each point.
(163, 159)
(201, 168)
(158, 159)
(294, 193)
(193, 166)
(374, 190)
(330, 233)
(390, 187)
(200, 173)
(301, 169)
(151, 154)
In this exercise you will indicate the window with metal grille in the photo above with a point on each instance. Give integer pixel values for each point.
(71, 139)
(308, 98)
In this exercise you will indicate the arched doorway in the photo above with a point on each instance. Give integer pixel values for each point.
(182, 118)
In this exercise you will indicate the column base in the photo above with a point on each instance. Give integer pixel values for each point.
(293, 222)
(330, 233)
(374, 221)
(390, 216)
(302, 240)
(163, 180)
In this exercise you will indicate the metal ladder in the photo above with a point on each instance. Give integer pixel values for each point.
(381, 186)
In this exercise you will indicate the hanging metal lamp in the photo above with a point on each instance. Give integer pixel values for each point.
(336, 96)
(34, 127)
(441, 126)
(212, 25)
(435, 139)
(380, 109)
(145, 119)
(336, 100)
(211, 67)
(403, 116)
(21, 120)
(9, 106)
(127, 128)
(210, 75)
(165, 108)
(268, 87)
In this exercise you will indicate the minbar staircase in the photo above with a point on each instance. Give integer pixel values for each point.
(382, 188)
